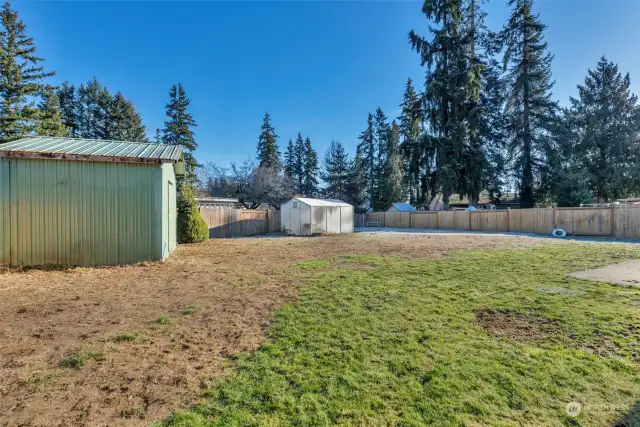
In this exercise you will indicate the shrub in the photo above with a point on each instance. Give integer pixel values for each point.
(191, 226)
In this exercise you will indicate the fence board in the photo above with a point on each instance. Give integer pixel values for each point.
(228, 222)
(424, 220)
(585, 221)
(627, 222)
(489, 220)
(622, 222)
(397, 219)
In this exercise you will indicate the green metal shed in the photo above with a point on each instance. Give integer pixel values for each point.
(86, 201)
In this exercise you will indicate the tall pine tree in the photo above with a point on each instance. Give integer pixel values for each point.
(92, 110)
(67, 96)
(311, 169)
(392, 187)
(367, 154)
(411, 147)
(268, 152)
(289, 160)
(123, 122)
(299, 159)
(381, 137)
(336, 171)
(530, 110)
(356, 192)
(22, 77)
(480, 45)
(50, 118)
(446, 90)
(178, 128)
(606, 139)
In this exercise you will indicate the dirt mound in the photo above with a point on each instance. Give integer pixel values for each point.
(515, 325)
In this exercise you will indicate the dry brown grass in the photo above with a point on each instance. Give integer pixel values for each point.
(164, 328)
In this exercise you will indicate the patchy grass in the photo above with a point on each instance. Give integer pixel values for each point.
(188, 310)
(77, 360)
(163, 320)
(408, 342)
(315, 264)
(38, 381)
(124, 337)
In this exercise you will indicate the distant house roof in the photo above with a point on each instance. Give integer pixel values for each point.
(321, 202)
(403, 207)
(45, 147)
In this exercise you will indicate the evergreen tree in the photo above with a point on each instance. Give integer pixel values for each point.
(480, 47)
(412, 148)
(300, 157)
(67, 96)
(289, 160)
(605, 119)
(178, 128)
(268, 153)
(191, 228)
(492, 129)
(157, 138)
(336, 171)
(563, 178)
(530, 111)
(368, 157)
(311, 169)
(50, 119)
(446, 95)
(92, 110)
(356, 192)
(123, 122)
(21, 77)
(381, 137)
(392, 178)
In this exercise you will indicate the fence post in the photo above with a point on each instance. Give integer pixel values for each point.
(508, 219)
(613, 221)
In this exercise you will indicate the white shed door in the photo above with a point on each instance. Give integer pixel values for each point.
(294, 215)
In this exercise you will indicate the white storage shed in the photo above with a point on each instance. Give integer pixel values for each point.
(302, 216)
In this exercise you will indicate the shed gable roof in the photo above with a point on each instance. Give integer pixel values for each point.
(321, 202)
(45, 147)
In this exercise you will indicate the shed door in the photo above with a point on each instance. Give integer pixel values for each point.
(294, 215)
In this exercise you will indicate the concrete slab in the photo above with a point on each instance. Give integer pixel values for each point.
(625, 274)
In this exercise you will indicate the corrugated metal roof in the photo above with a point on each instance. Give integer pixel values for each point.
(56, 147)
(322, 202)
(404, 207)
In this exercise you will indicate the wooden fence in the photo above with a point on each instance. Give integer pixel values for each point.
(621, 222)
(229, 222)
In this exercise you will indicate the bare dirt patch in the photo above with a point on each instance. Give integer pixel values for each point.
(154, 334)
(624, 273)
(516, 326)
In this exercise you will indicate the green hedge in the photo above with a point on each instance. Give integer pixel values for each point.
(191, 226)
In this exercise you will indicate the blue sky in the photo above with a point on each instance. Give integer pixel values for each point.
(316, 67)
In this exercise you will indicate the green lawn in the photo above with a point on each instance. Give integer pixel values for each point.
(378, 341)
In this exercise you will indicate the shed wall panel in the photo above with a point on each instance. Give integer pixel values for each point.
(5, 224)
(346, 219)
(305, 220)
(80, 213)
